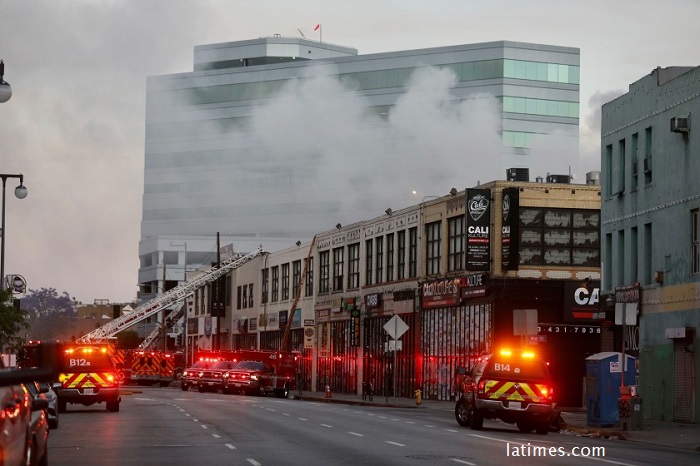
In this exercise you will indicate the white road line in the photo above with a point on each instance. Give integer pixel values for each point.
(252, 461)
(356, 434)
(195, 420)
(216, 435)
(188, 415)
(462, 461)
(410, 422)
(427, 425)
(270, 409)
(451, 430)
(326, 425)
(229, 446)
(303, 419)
(285, 414)
(382, 417)
(394, 443)
(204, 426)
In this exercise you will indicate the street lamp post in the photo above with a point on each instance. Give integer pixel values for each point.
(5, 88)
(20, 193)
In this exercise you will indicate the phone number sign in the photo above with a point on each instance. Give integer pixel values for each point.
(572, 330)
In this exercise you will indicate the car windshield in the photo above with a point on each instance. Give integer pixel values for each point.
(250, 365)
(224, 365)
(201, 365)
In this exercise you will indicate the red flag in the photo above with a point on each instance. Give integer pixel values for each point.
(317, 27)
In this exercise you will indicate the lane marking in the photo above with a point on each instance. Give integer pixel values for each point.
(451, 430)
(303, 419)
(253, 462)
(410, 422)
(394, 443)
(427, 425)
(216, 435)
(462, 461)
(229, 446)
(356, 434)
(204, 426)
(285, 414)
(326, 425)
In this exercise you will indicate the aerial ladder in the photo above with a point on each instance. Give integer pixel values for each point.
(167, 299)
(297, 296)
(173, 317)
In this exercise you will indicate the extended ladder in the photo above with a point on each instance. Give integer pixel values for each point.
(170, 297)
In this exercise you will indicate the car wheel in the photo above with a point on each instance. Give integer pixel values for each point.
(184, 387)
(542, 428)
(53, 423)
(113, 406)
(282, 392)
(61, 406)
(202, 389)
(525, 425)
(226, 390)
(463, 413)
(477, 420)
(261, 390)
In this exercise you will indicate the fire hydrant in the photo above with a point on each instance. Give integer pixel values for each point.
(419, 396)
(328, 391)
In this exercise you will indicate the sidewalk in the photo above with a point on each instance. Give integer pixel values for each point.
(659, 433)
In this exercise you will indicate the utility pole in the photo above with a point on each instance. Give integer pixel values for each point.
(217, 294)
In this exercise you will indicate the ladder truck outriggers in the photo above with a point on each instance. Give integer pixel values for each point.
(145, 363)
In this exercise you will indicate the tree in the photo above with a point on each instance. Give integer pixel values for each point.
(46, 302)
(12, 321)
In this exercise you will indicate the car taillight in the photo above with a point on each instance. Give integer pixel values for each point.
(481, 386)
(110, 378)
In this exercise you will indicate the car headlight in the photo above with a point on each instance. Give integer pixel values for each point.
(253, 377)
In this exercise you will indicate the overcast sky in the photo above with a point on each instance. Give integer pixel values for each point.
(75, 124)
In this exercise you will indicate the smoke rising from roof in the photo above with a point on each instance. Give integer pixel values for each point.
(326, 147)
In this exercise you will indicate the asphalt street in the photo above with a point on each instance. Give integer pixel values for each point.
(168, 426)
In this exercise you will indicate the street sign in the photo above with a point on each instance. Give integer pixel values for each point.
(396, 327)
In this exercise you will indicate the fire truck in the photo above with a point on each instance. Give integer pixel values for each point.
(153, 366)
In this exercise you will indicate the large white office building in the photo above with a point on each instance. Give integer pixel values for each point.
(268, 141)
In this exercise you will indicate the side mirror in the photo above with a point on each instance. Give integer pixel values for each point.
(39, 404)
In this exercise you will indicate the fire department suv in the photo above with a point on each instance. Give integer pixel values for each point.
(514, 387)
(89, 377)
(260, 372)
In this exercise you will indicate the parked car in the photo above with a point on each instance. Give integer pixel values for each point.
(43, 389)
(38, 448)
(15, 422)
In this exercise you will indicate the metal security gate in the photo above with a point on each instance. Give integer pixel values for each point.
(452, 337)
(683, 381)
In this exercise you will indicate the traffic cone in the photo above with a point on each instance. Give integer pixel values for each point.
(328, 391)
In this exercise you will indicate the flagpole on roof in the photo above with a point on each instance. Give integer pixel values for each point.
(320, 32)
